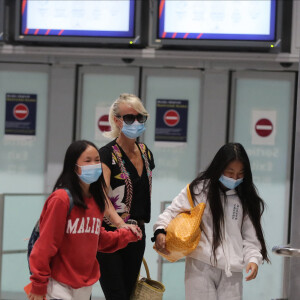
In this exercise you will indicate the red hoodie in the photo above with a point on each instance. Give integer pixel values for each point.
(67, 247)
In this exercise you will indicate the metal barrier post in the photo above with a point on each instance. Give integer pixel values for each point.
(286, 251)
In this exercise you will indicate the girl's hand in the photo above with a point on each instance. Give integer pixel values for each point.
(160, 243)
(134, 228)
(36, 297)
(254, 269)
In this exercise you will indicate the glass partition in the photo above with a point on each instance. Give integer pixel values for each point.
(99, 87)
(176, 162)
(19, 214)
(15, 275)
(23, 109)
(23, 134)
(262, 121)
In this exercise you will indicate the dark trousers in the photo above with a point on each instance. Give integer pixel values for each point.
(119, 270)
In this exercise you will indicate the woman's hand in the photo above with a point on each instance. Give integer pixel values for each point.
(134, 228)
(160, 243)
(254, 270)
(36, 297)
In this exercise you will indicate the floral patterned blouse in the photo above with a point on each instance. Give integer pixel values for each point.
(129, 193)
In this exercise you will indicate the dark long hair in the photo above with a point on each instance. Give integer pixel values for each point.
(252, 204)
(70, 180)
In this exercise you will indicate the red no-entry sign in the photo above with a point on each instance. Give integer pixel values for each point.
(264, 127)
(171, 117)
(103, 123)
(21, 111)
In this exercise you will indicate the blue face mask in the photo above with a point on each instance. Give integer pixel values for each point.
(134, 130)
(230, 183)
(90, 173)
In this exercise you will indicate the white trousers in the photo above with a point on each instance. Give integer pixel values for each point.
(203, 281)
(57, 290)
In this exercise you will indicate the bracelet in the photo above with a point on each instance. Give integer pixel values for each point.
(156, 233)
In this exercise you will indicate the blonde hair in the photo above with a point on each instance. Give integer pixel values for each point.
(130, 100)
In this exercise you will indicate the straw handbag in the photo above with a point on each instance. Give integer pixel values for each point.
(183, 232)
(146, 288)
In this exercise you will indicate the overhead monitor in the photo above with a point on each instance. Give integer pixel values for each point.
(79, 21)
(218, 24)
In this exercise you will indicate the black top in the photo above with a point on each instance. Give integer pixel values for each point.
(126, 184)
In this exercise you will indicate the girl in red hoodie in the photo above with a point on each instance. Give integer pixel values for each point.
(63, 260)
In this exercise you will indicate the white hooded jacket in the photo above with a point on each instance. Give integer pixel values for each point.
(240, 244)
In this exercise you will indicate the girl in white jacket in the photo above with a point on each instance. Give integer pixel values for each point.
(232, 237)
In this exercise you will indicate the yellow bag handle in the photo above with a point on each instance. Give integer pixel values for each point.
(189, 196)
(146, 268)
(154, 285)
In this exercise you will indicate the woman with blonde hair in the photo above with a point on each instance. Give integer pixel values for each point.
(127, 169)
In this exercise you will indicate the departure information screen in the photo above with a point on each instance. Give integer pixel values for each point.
(78, 18)
(219, 20)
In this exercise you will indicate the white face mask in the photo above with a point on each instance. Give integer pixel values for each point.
(90, 173)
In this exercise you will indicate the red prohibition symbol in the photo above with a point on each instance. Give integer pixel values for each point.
(264, 127)
(103, 123)
(21, 111)
(171, 117)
